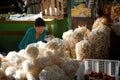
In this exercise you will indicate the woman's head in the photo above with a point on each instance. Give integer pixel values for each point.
(39, 22)
(39, 25)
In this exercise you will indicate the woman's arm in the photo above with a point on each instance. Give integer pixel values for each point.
(25, 40)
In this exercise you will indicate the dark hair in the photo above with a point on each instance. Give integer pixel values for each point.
(39, 22)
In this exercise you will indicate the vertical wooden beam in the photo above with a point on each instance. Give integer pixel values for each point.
(53, 7)
(48, 4)
(62, 7)
(43, 7)
(58, 7)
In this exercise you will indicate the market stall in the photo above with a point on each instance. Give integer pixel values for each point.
(80, 52)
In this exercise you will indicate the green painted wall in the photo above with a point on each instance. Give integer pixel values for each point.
(59, 26)
(11, 34)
